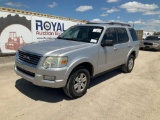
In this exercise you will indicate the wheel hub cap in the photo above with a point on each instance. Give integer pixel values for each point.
(80, 82)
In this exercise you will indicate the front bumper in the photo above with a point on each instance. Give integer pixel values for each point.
(36, 75)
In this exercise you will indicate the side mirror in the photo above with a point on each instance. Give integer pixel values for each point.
(107, 43)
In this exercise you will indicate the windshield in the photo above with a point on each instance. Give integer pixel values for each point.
(90, 34)
(153, 38)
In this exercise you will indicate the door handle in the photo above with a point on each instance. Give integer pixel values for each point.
(129, 45)
(115, 48)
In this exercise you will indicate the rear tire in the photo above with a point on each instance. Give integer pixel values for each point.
(127, 68)
(78, 83)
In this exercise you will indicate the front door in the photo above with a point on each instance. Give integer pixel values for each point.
(108, 55)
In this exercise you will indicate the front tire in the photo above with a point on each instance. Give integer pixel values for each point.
(78, 83)
(128, 67)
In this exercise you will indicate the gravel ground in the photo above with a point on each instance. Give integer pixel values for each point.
(112, 96)
(6, 59)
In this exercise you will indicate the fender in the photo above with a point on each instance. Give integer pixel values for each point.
(129, 53)
(78, 62)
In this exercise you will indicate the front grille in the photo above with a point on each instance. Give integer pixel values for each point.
(29, 57)
(146, 43)
(25, 72)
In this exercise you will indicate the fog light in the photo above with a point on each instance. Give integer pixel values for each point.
(50, 78)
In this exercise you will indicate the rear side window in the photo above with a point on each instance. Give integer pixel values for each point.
(133, 34)
(122, 35)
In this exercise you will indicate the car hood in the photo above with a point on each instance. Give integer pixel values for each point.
(56, 46)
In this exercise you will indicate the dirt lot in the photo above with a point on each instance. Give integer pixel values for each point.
(112, 96)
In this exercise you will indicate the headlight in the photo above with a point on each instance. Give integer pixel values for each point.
(55, 62)
(155, 43)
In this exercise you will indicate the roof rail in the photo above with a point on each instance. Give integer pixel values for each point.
(110, 23)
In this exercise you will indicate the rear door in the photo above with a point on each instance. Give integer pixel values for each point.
(123, 45)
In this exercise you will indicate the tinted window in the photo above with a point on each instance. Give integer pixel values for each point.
(110, 34)
(153, 38)
(122, 35)
(133, 34)
(82, 34)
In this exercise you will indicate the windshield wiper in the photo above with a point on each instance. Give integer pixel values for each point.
(75, 39)
(72, 39)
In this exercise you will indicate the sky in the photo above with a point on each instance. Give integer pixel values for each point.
(142, 14)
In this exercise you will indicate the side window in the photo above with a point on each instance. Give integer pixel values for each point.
(133, 34)
(110, 34)
(122, 35)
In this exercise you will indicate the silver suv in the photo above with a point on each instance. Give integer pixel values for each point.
(81, 52)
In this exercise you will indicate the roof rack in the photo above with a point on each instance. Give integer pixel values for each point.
(110, 23)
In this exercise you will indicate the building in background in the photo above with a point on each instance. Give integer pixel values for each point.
(20, 27)
(142, 34)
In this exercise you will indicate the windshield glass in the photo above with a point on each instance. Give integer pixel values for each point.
(153, 38)
(90, 34)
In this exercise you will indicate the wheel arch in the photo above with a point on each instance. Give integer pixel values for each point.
(77, 65)
(85, 65)
(133, 52)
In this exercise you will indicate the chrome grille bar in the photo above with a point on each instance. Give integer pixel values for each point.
(29, 57)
